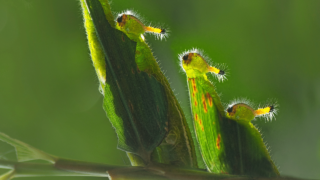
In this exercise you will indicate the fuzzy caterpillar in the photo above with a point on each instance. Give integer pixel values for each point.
(129, 22)
(228, 144)
(177, 148)
(241, 110)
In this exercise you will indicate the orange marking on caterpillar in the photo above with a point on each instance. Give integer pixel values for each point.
(209, 99)
(187, 58)
(218, 141)
(192, 94)
(196, 117)
(200, 122)
(202, 128)
(122, 20)
(195, 103)
(194, 85)
(204, 104)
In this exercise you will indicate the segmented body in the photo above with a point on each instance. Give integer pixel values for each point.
(207, 125)
(228, 143)
(227, 146)
(179, 149)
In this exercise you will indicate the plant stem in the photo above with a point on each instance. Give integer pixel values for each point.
(62, 167)
(66, 167)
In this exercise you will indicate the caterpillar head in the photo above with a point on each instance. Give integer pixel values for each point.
(244, 112)
(195, 65)
(129, 23)
(240, 112)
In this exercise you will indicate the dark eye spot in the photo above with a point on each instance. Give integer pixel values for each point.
(119, 19)
(221, 72)
(229, 110)
(186, 57)
(163, 31)
(271, 108)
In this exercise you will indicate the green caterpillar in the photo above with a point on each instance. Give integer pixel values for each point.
(129, 23)
(228, 140)
(177, 148)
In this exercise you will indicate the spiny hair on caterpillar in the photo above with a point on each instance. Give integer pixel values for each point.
(219, 94)
(267, 147)
(167, 77)
(184, 56)
(158, 31)
(267, 110)
(128, 12)
(177, 95)
(223, 73)
(277, 166)
(273, 109)
(214, 87)
(262, 137)
(238, 101)
(156, 59)
(218, 70)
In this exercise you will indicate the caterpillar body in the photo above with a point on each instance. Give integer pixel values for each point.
(177, 148)
(228, 140)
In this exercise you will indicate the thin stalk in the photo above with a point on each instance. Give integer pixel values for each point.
(62, 167)
(65, 167)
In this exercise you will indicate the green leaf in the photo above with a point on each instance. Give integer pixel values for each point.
(227, 146)
(131, 109)
(135, 102)
(26, 152)
(206, 119)
(245, 151)
(154, 172)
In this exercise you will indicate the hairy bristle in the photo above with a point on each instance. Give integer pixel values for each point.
(193, 50)
(238, 101)
(223, 73)
(271, 108)
(131, 13)
(273, 105)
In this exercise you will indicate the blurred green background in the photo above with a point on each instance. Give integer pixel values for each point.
(49, 94)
